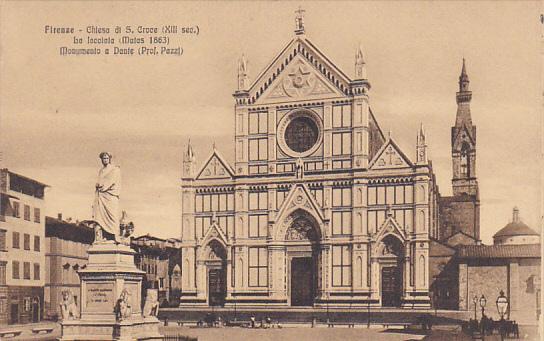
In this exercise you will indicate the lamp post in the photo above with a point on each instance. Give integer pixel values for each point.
(483, 302)
(502, 308)
(483, 321)
(475, 301)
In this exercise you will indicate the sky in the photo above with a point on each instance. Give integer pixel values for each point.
(57, 113)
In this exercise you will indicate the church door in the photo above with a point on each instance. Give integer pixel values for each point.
(302, 281)
(217, 287)
(391, 286)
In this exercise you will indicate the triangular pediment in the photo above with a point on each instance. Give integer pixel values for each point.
(390, 226)
(215, 167)
(390, 156)
(300, 197)
(299, 80)
(299, 71)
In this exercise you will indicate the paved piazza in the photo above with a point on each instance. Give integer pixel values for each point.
(306, 333)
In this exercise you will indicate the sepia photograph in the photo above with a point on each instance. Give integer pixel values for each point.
(311, 170)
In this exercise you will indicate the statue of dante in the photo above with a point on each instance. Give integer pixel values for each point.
(106, 201)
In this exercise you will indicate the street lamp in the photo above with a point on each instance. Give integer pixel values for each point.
(502, 307)
(483, 321)
(483, 301)
(475, 301)
(502, 304)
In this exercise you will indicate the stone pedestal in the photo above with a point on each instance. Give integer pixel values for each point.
(109, 272)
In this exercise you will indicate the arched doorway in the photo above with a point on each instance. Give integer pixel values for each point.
(216, 266)
(391, 261)
(302, 240)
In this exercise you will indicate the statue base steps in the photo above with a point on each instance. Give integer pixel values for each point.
(128, 330)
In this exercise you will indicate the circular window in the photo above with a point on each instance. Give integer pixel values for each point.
(301, 134)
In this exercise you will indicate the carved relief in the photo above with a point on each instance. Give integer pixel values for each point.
(151, 306)
(214, 168)
(299, 82)
(123, 310)
(390, 158)
(300, 229)
(68, 307)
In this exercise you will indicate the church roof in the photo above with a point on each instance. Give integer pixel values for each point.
(516, 228)
(499, 251)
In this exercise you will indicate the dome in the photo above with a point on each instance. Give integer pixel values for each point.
(516, 232)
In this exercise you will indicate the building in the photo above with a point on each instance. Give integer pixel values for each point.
(459, 214)
(511, 264)
(320, 207)
(66, 244)
(22, 248)
(161, 261)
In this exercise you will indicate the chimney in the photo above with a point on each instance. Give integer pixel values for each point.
(59, 216)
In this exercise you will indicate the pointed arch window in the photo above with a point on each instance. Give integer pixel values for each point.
(465, 160)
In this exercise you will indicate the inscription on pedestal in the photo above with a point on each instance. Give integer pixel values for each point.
(100, 297)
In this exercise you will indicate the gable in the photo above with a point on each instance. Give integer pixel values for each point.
(300, 197)
(463, 134)
(324, 77)
(215, 168)
(460, 238)
(390, 226)
(390, 156)
(214, 232)
(299, 80)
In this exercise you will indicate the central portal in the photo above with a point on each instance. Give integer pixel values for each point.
(217, 287)
(391, 286)
(302, 281)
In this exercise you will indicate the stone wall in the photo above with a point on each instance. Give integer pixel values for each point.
(459, 213)
(528, 285)
(519, 279)
(478, 280)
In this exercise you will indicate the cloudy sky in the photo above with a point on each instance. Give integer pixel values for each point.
(58, 113)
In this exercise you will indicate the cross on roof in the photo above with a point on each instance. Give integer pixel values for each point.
(390, 152)
(215, 165)
(299, 21)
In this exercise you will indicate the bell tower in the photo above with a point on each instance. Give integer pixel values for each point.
(463, 142)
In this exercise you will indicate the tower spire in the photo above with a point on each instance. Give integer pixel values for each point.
(464, 96)
(360, 65)
(189, 161)
(463, 141)
(421, 146)
(463, 79)
(243, 79)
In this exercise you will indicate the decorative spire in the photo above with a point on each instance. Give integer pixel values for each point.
(463, 79)
(421, 146)
(189, 161)
(515, 215)
(243, 79)
(189, 153)
(299, 21)
(360, 65)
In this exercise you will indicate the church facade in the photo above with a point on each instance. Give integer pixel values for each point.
(320, 207)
